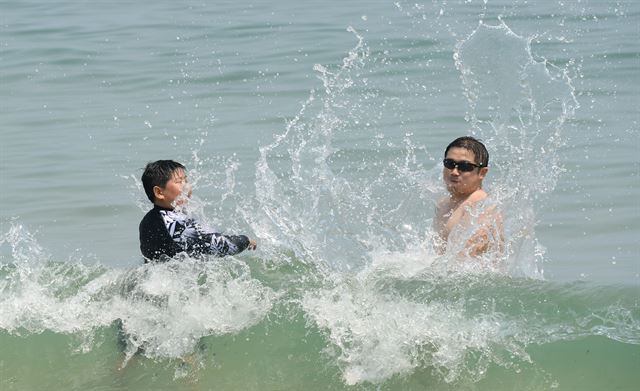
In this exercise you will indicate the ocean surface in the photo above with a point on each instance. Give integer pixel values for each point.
(318, 128)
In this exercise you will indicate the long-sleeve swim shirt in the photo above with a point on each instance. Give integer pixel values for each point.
(166, 232)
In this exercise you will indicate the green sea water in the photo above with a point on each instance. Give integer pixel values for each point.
(202, 326)
(318, 129)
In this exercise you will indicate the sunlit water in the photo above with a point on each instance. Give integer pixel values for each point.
(319, 130)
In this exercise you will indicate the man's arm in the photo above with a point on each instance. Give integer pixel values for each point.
(489, 234)
(439, 227)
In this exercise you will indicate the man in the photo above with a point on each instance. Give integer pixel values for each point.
(464, 222)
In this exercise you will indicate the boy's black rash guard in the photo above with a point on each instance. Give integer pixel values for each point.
(165, 233)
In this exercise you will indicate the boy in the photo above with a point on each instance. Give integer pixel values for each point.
(466, 162)
(165, 231)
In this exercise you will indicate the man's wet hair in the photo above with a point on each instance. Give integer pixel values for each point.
(474, 145)
(158, 173)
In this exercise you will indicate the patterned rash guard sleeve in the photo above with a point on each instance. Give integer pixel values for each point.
(228, 244)
(195, 239)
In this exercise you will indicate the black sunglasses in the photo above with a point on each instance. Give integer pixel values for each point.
(462, 165)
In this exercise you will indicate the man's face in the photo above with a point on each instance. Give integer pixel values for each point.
(462, 183)
(175, 191)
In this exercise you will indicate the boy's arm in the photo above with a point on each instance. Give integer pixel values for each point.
(228, 244)
(198, 239)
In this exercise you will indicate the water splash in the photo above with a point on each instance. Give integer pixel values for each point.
(163, 310)
(303, 205)
(518, 105)
(384, 305)
(391, 318)
(166, 308)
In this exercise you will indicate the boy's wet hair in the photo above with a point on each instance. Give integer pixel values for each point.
(158, 173)
(474, 145)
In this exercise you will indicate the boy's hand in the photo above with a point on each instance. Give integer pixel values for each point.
(252, 245)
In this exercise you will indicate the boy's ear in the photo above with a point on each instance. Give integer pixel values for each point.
(157, 192)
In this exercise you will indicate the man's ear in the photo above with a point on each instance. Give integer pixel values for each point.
(157, 192)
(483, 172)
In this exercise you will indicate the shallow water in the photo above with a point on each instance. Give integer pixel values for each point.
(319, 131)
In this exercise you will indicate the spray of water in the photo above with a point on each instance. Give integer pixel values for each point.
(361, 216)
(161, 310)
(368, 236)
(518, 105)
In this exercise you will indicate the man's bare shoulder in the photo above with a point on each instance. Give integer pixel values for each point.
(477, 196)
(443, 202)
(488, 208)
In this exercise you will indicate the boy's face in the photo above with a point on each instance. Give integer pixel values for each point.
(175, 192)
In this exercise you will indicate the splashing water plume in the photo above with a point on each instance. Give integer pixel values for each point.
(346, 288)
(518, 106)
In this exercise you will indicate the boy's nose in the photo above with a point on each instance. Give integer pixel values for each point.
(186, 189)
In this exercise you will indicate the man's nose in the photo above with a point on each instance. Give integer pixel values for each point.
(455, 171)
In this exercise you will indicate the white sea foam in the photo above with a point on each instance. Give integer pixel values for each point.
(164, 309)
(380, 334)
